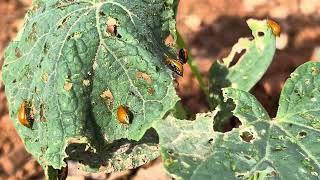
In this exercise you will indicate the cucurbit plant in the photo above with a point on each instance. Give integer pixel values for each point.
(75, 62)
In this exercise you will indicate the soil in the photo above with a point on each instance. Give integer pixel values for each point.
(210, 28)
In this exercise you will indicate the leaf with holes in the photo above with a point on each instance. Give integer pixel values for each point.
(255, 57)
(74, 63)
(285, 147)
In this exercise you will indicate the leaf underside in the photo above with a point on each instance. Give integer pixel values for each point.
(74, 68)
(285, 147)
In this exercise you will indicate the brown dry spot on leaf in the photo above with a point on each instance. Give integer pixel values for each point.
(33, 112)
(145, 76)
(95, 65)
(86, 82)
(169, 41)
(18, 52)
(107, 96)
(42, 113)
(64, 22)
(112, 26)
(151, 91)
(45, 77)
(68, 86)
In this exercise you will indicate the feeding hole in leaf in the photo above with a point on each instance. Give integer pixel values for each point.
(260, 34)
(302, 134)
(237, 57)
(247, 136)
(63, 22)
(157, 68)
(75, 35)
(131, 93)
(247, 157)
(102, 13)
(296, 91)
(46, 48)
(233, 122)
(239, 175)
(112, 27)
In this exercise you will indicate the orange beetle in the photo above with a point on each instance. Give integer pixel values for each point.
(275, 27)
(123, 115)
(175, 66)
(24, 115)
(183, 55)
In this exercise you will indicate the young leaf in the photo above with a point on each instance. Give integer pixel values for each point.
(285, 147)
(75, 62)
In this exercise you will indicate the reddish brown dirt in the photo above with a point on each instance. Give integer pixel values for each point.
(210, 28)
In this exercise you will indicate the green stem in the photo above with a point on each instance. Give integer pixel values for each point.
(195, 71)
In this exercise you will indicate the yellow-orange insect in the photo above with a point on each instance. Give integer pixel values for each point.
(275, 27)
(175, 65)
(24, 115)
(123, 115)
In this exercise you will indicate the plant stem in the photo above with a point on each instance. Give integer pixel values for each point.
(195, 71)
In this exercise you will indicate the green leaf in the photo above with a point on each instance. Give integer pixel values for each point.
(252, 64)
(74, 68)
(285, 147)
(258, 54)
